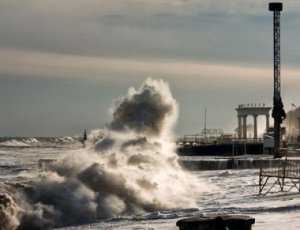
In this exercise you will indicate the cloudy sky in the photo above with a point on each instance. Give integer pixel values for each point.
(63, 62)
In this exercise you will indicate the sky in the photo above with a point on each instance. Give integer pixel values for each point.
(64, 62)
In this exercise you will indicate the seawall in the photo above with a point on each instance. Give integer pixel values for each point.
(223, 163)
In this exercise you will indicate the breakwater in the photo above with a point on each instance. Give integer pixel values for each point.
(223, 163)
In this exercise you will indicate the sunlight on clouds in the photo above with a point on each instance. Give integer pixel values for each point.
(58, 65)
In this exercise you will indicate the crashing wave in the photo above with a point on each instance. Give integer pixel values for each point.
(130, 167)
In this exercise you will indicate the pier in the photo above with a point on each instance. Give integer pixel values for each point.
(194, 145)
(216, 142)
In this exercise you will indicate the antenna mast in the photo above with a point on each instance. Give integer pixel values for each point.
(278, 112)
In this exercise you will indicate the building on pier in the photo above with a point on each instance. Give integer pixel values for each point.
(292, 124)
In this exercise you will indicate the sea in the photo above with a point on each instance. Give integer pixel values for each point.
(231, 191)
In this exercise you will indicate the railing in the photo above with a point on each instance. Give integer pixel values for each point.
(286, 175)
(253, 105)
(288, 169)
(199, 140)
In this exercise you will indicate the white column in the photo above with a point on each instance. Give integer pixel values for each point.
(239, 127)
(255, 126)
(267, 122)
(245, 127)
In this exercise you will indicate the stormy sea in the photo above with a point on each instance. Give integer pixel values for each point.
(127, 175)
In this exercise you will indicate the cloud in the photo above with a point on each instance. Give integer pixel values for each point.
(211, 47)
(25, 63)
(213, 31)
(79, 6)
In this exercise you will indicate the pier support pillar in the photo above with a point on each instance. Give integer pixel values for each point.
(255, 126)
(245, 127)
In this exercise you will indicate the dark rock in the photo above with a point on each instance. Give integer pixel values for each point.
(216, 222)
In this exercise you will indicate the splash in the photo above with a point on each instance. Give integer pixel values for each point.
(128, 168)
(151, 110)
(9, 212)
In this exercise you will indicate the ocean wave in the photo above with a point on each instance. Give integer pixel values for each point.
(13, 142)
(253, 210)
(132, 170)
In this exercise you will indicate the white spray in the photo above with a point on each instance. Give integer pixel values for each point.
(130, 167)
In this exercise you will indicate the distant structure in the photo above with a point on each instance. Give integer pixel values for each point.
(278, 112)
(204, 129)
(292, 124)
(255, 110)
(84, 137)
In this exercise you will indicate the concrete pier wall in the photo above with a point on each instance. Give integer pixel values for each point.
(230, 163)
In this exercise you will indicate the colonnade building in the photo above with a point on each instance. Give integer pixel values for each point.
(251, 110)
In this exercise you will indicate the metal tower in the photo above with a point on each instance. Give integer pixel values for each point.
(278, 112)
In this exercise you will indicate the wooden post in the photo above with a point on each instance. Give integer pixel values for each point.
(260, 180)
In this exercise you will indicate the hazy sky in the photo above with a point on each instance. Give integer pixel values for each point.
(63, 62)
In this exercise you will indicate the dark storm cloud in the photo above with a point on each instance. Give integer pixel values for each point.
(164, 29)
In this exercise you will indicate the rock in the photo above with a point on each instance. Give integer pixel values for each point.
(216, 222)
